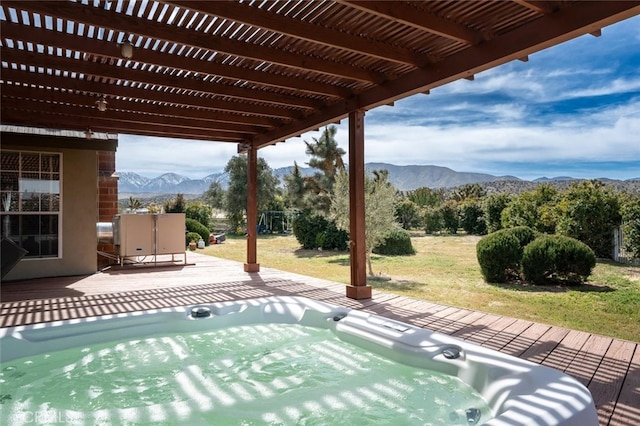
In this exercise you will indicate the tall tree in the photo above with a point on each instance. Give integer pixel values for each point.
(236, 197)
(326, 156)
(295, 189)
(535, 209)
(588, 211)
(214, 195)
(379, 209)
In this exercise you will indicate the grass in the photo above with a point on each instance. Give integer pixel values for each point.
(445, 270)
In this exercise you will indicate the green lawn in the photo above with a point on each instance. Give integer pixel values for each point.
(445, 270)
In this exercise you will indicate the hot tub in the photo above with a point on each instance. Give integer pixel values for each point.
(80, 352)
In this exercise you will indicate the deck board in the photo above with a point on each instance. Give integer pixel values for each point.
(545, 345)
(609, 367)
(627, 408)
(586, 362)
(607, 381)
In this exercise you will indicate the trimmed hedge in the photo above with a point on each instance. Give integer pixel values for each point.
(557, 256)
(397, 242)
(314, 231)
(195, 226)
(500, 253)
(524, 234)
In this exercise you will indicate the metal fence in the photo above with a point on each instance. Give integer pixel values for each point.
(619, 253)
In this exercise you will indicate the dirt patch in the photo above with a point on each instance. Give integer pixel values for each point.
(632, 274)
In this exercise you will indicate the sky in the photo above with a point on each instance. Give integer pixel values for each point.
(571, 110)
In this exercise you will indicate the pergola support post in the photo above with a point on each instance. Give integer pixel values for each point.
(252, 264)
(358, 289)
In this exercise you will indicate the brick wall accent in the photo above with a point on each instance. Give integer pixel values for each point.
(107, 196)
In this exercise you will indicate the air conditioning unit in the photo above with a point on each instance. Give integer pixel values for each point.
(149, 234)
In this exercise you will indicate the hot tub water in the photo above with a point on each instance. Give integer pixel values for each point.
(252, 374)
(274, 360)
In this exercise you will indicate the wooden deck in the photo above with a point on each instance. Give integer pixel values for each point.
(609, 367)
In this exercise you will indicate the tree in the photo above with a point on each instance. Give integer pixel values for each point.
(379, 209)
(295, 189)
(631, 224)
(407, 213)
(236, 197)
(199, 211)
(326, 156)
(432, 220)
(449, 216)
(589, 212)
(472, 217)
(427, 197)
(178, 205)
(134, 204)
(466, 191)
(214, 195)
(535, 209)
(493, 205)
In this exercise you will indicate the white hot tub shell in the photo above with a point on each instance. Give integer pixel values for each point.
(517, 391)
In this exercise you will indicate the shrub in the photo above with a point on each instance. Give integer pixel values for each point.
(335, 238)
(397, 242)
(192, 236)
(498, 254)
(524, 234)
(199, 211)
(306, 228)
(315, 231)
(557, 256)
(198, 228)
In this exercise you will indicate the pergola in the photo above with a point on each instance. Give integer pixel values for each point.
(255, 73)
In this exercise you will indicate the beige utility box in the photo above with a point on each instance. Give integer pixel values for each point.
(149, 234)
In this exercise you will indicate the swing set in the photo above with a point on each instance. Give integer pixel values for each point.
(276, 221)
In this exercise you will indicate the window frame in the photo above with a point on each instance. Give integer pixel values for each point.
(55, 207)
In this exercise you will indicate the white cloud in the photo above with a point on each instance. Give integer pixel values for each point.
(617, 86)
(510, 115)
(152, 157)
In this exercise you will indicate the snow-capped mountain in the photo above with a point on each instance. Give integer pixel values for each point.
(168, 183)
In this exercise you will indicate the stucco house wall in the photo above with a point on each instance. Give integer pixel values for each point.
(79, 205)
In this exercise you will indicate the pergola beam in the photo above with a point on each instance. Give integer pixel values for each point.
(59, 121)
(402, 12)
(579, 19)
(117, 69)
(110, 49)
(162, 102)
(115, 113)
(101, 17)
(537, 6)
(265, 19)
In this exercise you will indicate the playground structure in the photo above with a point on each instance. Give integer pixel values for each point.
(277, 221)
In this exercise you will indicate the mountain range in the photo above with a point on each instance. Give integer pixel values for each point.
(402, 177)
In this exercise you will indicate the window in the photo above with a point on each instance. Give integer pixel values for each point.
(30, 184)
